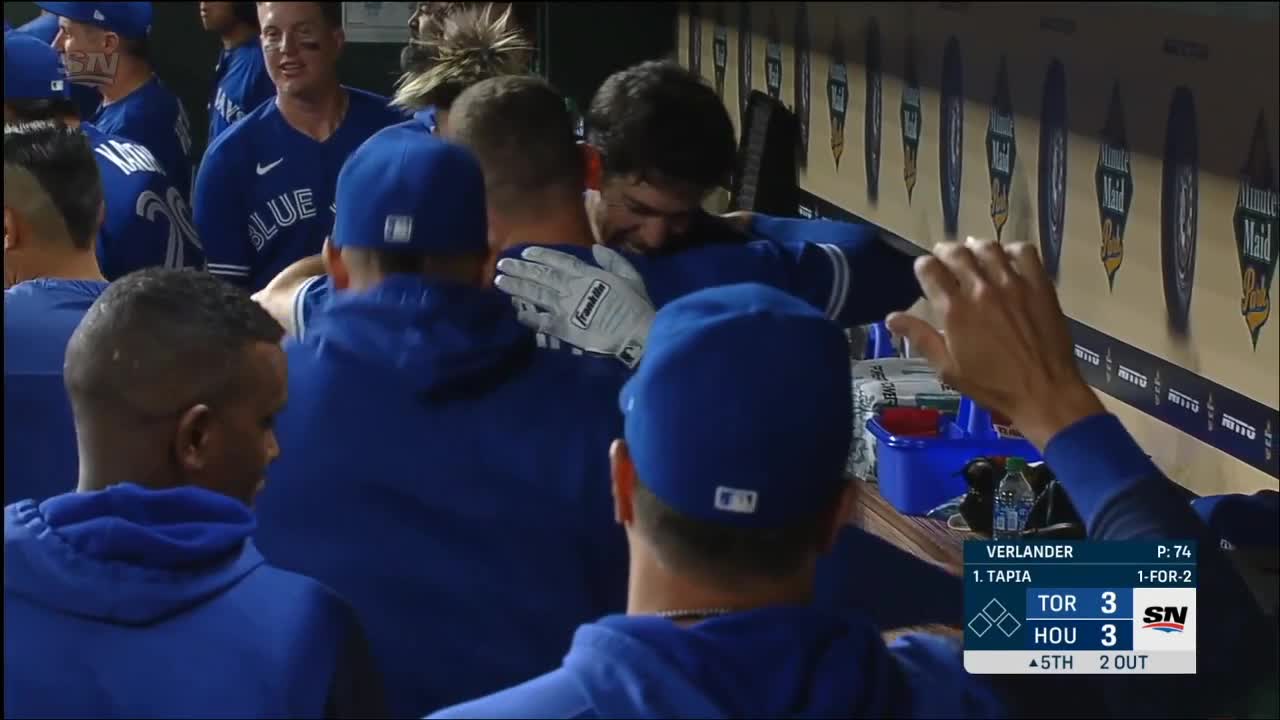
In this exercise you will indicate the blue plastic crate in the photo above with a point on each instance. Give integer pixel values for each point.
(917, 474)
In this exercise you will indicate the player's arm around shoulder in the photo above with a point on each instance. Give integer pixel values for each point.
(282, 297)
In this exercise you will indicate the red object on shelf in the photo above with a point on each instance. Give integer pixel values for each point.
(912, 422)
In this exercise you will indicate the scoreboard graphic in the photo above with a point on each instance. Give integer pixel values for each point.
(1080, 607)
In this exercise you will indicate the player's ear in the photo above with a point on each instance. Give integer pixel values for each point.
(339, 39)
(593, 165)
(12, 233)
(110, 42)
(623, 473)
(193, 441)
(334, 266)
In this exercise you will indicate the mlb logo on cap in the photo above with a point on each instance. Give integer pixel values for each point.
(398, 229)
(735, 500)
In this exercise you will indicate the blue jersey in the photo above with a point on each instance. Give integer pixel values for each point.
(148, 222)
(265, 192)
(39, 436)
(154, 118)
(241, 84)
(840, 268)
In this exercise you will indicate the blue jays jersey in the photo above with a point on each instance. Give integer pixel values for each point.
(264, 196)
(241, 84)
(154, 118)
(39, 434)
(843, 269)
(148, 222)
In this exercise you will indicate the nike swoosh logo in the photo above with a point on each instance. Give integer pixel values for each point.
(264, 169)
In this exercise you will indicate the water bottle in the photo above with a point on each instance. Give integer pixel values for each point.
(1014, 500)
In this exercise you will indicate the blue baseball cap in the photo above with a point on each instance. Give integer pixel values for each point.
(740, 412)
(1242, 520)
(403, 190)
(32, 69)
(127, 19)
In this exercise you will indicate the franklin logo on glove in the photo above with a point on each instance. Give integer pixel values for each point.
(586, 310)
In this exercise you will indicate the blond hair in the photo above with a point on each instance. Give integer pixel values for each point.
(464, 46)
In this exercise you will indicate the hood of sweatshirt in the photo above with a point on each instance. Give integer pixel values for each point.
(127, 555)
(431, 335)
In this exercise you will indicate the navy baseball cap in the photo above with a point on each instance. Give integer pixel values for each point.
(127, 19)
(740, 413)
(32, 69)
(403, 190)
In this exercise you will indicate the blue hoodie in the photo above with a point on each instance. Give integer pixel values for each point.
(791, 662)
(130, 602)
(451, 482)
(39, 433)
(645, 667)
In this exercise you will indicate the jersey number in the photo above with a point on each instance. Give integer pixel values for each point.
(181, 230)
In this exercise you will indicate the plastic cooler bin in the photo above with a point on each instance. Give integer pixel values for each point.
(917, 474)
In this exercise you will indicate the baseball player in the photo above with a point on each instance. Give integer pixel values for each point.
(450, 49)
(437, 470)
(844, 269)
(106, 44)
(713, 448)
(264, 194)
(138, 590)
(240, 80)
(147, 222)
(45, 27)
(52, 201)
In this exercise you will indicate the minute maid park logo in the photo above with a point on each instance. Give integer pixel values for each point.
(1256, 219)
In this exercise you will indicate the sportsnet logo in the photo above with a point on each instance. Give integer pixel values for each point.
(1167, 619)
(91, 68)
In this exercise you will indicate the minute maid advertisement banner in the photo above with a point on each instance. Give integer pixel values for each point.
(1135, 147)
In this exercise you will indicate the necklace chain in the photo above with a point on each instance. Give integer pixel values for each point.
(693, 614)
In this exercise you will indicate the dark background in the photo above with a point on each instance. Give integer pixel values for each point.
(580, 43)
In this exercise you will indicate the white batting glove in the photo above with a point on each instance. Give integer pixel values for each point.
(603, 310)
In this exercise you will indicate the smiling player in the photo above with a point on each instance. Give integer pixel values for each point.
(264, 195)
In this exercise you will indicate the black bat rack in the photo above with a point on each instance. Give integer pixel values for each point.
(767, 176)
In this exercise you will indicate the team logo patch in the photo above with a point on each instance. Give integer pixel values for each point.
(1180, 208)
(736, 500)
(912, 118)
(773, 58)
(803, 72)
(874, 103)
(720, 50)
(951, 135)
(1256, 220)
(398, 229)
(837, 95)
(1002, 149)
(587, 308)
(1052, 191)
(1114, 180)
(744, 59)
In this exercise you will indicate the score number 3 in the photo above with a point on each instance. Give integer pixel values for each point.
(1108, 608)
